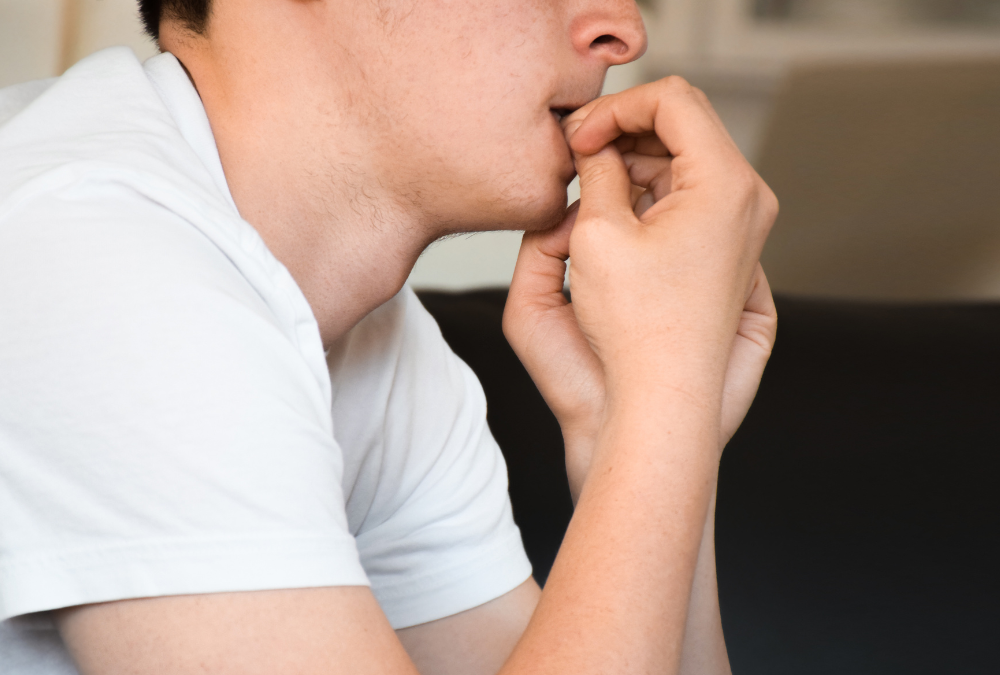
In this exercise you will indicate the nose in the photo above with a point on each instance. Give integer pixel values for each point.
(610, 30)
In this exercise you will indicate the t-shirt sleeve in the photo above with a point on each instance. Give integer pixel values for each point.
(439, 537)
(160, 433)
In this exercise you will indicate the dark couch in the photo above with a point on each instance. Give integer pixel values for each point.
(858, 524)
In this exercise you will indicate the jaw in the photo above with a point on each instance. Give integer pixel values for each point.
(505, 186)
(531, 205)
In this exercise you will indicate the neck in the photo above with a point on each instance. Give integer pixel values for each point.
(305, 182)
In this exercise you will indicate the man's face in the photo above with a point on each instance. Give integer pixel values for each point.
(460, 100)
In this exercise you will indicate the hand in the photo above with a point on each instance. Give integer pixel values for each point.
(543, 327)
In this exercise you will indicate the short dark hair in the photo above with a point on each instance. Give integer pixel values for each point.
(193, 14)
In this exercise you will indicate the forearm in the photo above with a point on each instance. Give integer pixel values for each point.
(617, 597)
(704, 651)
(704, 648)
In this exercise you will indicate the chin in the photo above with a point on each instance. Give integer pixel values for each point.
(535, 201)
(550, 206)
(533, 215)
(548, 217)
(542, 205)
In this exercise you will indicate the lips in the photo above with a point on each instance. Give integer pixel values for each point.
(560, 113)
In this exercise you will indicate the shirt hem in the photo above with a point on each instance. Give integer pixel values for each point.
(456, 588)
(156, 569)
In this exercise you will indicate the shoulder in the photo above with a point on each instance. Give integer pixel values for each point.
(108, 215)
(101, 121)
(86, 242)
(102, 287)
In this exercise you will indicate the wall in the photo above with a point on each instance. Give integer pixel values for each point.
(30, 39)
(41, 38)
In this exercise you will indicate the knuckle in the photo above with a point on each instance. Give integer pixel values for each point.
(593, 233)
(599, 105)
(768, 201)
(587, 227)
(755, 195)
(598, 171)
(765, 207)
(771, 200)
(746, 183)
(511, 322)
(675, 84)
(603, 224)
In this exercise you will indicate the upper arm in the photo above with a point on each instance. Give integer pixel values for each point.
(314, 631)
(309, 631)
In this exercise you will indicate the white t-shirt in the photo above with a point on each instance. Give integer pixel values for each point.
(165, 400)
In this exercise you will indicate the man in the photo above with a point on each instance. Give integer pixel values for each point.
(202, 256)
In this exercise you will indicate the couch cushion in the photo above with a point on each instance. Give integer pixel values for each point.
(858, 525)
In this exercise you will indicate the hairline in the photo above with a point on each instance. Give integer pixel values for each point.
(192, 15)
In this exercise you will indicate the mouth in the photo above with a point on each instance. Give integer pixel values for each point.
(560, 113)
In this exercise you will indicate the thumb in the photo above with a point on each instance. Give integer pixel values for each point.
(759, 321)
(605, 186)
(541, 264)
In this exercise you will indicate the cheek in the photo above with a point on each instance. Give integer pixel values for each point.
(533, 156)
(491, 62)
(470, 117)
(476, 142)
(531, 181)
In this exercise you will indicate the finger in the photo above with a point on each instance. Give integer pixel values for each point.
(626, 143)
(651, 173)
(759, 319)
(637, 193)
(605, 188)
(760, 300)
(645, 144)
(671, 108)
(643, 203)
(651, 144)
(541, 264)
(580, 113)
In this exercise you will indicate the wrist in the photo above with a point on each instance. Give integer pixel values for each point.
(662, 424)
(695, 365)
(696, 392)
(579, 446)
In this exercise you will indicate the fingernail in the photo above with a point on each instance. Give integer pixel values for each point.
(571, 128)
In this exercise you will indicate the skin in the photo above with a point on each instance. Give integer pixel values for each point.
(450, 130)
(352, 134)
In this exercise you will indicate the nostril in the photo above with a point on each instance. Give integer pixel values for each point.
(610, 42)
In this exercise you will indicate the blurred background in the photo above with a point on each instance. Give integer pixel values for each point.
(873, 120)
